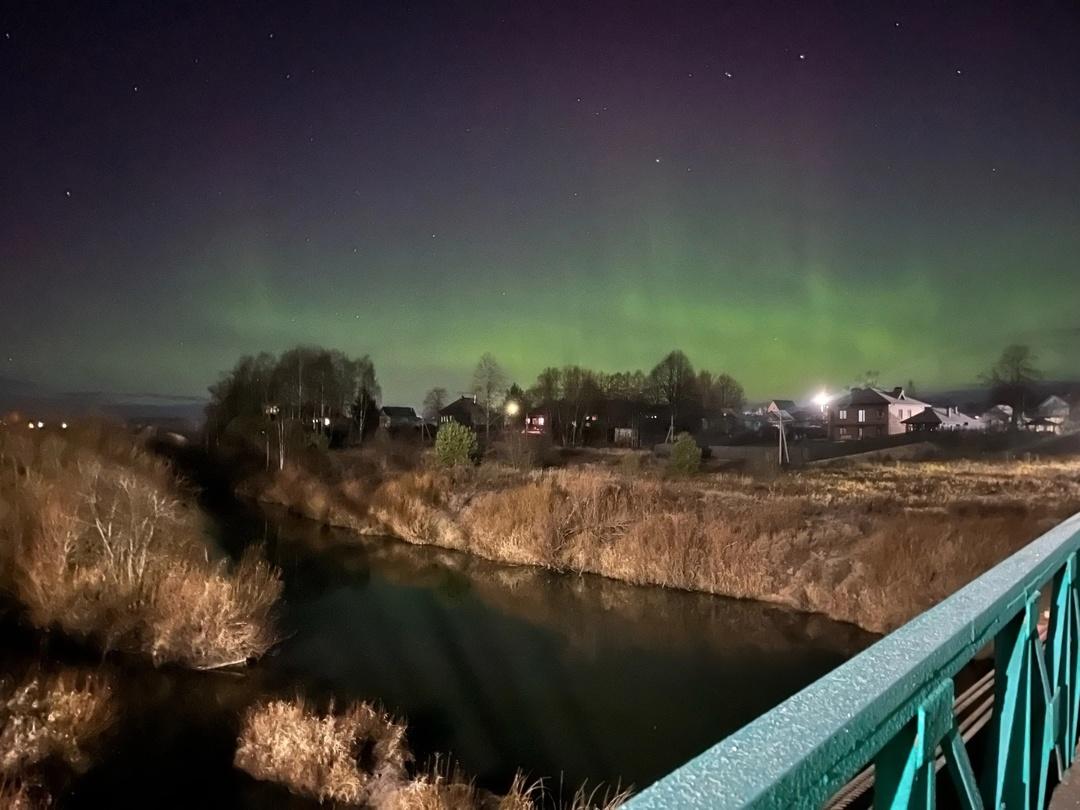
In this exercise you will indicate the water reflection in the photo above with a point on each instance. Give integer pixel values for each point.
(578, 678)
(508, 667)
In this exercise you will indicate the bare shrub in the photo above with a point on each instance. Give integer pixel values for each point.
(104, 549)
(344, 756)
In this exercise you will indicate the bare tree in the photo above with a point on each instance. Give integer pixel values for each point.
(367, 394)
(488, 384)
(868, 379)
(674, 379)
(1012, 377)
(434, 401)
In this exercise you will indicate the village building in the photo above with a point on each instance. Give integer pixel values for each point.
(398, 418)
(997, 418)
(871, 413)
(463, 410)
(932, 419)
(1054, 409)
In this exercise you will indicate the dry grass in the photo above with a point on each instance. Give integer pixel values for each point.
(872, 544)
(359, 757)
(52, 717)
(350, 757)
(46, 722)
(100, 545)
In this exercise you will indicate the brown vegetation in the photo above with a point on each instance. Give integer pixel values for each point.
(348, 757)
(97, 543)
(872, 544)
(48, 719)
(359, 757)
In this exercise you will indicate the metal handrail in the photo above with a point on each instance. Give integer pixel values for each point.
(891, 705)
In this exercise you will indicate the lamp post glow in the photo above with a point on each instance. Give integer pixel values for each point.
(512, 408)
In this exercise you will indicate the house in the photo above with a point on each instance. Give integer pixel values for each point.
(998, 418)
(932, 419)
(465, 411)
(395, 418)
(872, 412)
(1054, 410)
(537, 424)
(777, 405)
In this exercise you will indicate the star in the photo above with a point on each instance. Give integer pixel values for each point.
(67, 192)
(658, 160)
(958, 71)
(728, 75)
(135, 88)
(802, 56)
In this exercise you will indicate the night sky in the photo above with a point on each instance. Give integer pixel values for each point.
(791, 192)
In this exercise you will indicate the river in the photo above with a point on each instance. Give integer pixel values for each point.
(570, 678)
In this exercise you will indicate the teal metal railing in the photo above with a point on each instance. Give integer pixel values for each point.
(892, 706)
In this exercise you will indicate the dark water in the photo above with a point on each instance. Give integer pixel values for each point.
(571, 678)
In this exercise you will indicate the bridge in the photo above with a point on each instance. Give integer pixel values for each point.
(890, 726)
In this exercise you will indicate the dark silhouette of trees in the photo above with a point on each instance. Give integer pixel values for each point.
(1012, 379)
(302, 391)
(434, 401)
(488, 385)
(674, 381)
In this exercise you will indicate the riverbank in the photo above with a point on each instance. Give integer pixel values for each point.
(870, 544)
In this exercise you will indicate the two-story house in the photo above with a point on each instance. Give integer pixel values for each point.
(871, 412)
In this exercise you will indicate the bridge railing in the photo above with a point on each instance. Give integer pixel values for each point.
(891, 706)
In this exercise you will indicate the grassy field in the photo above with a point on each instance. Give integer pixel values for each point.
(871, 544)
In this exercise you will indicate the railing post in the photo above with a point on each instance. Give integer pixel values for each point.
(1061, 657)
(1007, 780)
(905, 775)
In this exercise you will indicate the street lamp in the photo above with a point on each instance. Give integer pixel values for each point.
(512, 408)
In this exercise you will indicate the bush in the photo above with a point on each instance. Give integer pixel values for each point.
(359, 757)
(101, 548)
(342, 756)
(685, 456)
(455, 445)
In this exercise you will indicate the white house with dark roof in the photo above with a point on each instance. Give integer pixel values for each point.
(867, 413)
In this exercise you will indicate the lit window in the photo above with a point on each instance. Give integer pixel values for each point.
(862, 415)
(843, 414)
(539, 420)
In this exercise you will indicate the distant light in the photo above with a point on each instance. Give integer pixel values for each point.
(512, 408)
(326, 421)
(40, 424)
(63, 425)
(821, 400)
(30, 425)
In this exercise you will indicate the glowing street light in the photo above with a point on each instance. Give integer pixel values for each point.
(512, 408)
(822, 399)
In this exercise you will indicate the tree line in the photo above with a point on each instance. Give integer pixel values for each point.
(567, 394)
(312, 390)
